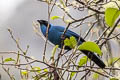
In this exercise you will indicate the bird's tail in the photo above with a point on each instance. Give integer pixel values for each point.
(94, 58)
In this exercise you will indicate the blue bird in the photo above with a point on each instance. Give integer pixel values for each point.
(54, 36)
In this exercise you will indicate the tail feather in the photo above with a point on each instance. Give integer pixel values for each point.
(96, 59)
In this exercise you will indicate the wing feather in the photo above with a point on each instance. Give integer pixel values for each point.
(69, 33)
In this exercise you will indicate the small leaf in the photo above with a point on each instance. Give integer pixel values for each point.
(95, 76)
(70, 42)
(111, 14)
(24, 72)
(73, 41)
(45, 70)
(55, 17)
(90, 46)
(9, 59)
(72, 74)
(62, 2)
(54, 50)
(67, 42)
(82, 61)
(113, 78)
(37, 69)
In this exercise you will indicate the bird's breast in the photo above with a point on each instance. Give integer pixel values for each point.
(55, 37)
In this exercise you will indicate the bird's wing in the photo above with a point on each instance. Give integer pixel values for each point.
(69, 33)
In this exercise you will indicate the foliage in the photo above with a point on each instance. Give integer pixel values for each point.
(70, 42)
(82, 61)
(111, 15)
(87, 46)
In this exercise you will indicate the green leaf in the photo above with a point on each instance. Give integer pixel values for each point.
(72, 74)
(82, 61)
(113, 78)
(54, 50)
(90, 46)
(37, 69)
(9, 59)
(67, 42)
(95, 76)
(45, 70)
(73, 41)
(111, 14)
(70, 42)
(24, 72)
(62, 2)
(55, 17)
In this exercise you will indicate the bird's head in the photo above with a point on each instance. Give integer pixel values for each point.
(43, 22)
(43, 26)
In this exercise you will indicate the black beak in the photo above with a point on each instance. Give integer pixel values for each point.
(43, 22)
(39, 21)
